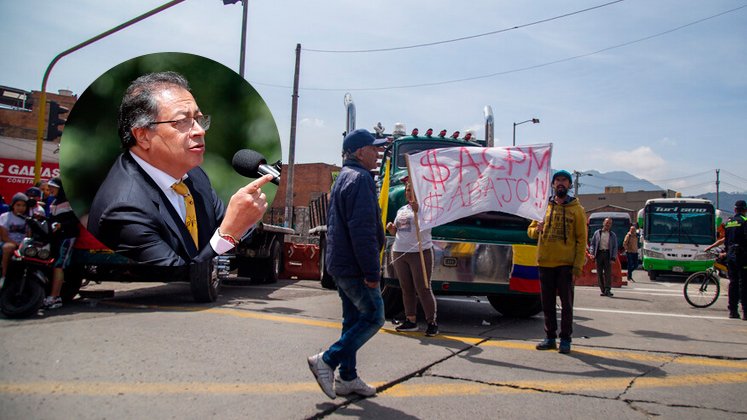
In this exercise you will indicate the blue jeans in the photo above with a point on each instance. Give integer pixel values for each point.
(362, 317)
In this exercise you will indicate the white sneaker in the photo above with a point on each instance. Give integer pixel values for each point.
(52, 302)
(325, 375)
(355, 386)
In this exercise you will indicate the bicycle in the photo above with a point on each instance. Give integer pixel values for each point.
(703, 288)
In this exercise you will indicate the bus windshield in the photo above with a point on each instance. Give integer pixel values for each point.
(680, 223)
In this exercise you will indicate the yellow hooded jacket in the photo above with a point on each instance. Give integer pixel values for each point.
(563, 239)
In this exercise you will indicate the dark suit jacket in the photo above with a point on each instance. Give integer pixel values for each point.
(133, 217)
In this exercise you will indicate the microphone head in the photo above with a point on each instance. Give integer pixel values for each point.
(246, 162)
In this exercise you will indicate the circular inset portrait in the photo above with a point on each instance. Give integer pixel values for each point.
(146, 158)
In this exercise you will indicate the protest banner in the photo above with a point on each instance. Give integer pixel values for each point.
(456, 182)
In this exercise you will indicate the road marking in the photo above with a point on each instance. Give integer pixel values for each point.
(614, 311)
(618, 311)
(641, 355)
(404, 390)
(408, 390)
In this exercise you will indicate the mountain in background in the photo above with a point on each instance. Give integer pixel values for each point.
(725, 200)
(596, 181)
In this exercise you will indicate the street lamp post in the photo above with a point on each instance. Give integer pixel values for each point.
(577, 175)
(43, 97)
(533, 121)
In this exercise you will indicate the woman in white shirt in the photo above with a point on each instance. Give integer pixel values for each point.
(406, 260)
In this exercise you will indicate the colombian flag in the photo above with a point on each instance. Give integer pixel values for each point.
(525, 273)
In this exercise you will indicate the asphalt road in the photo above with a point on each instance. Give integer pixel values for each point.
(150, 352)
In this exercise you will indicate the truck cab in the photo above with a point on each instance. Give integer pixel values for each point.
(484, 254)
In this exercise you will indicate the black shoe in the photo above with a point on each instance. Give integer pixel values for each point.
(432, 330)
(547, 344)
(609, 293)
(407, 326)
(603, 294)
(565, 346)
(734, 315)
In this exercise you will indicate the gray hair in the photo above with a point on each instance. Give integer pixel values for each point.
(139, 106)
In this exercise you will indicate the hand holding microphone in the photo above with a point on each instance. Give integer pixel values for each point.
(253, 165)
(247, 206)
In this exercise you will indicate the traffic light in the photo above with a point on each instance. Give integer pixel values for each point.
(55, 113)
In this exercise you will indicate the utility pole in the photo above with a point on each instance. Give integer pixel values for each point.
(717, 184)
(577, 175)
(292, 146)
(242, 54)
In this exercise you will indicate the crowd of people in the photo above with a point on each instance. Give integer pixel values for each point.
(44, 201)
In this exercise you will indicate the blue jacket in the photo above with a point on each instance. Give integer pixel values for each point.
(595, 244)
(355, 235)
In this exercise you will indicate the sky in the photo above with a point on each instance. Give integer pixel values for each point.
(657, 88)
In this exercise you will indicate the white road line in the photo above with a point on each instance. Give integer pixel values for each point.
(617, 311)
(612, 311)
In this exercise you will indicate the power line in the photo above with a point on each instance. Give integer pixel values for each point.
(430, 44)
(733, 174)
(736, 187)
(703, 184)
(708, 172)
(517, 70)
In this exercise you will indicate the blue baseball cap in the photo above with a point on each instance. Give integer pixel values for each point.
(360, 138)
(561, 172)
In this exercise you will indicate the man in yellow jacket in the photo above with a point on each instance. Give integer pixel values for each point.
(561, 253)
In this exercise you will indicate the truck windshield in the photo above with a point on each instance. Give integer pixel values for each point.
(681, 223)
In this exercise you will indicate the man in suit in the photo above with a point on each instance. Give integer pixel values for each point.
(140, 210)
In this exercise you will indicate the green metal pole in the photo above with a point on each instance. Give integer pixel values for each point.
(42, 105)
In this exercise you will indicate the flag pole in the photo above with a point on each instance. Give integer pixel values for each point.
(417, 228)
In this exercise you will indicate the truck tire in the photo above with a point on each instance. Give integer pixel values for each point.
(393, 306)
(516, 306)
(652, 275)
(327, 281)
(205, 283)
(274, 264)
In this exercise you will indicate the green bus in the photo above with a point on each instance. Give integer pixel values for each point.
(675, 232)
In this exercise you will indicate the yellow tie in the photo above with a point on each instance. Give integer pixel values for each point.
(189, 203)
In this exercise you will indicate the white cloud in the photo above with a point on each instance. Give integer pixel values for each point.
(666, 141)
(642, 161)
(313, 122)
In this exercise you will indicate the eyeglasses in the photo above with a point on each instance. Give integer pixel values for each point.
(186, 124)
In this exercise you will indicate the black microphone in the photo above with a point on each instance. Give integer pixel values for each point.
(252, 164)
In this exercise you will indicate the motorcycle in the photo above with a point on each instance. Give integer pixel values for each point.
(29, 276)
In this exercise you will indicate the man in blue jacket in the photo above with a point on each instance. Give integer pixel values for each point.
(355, 237)
(603, 250)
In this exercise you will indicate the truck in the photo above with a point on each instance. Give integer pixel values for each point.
(487, 254)
(675, 232)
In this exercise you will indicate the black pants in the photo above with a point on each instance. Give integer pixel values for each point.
(557, 281)
(604, 270)
(737, 285)
(632, 263)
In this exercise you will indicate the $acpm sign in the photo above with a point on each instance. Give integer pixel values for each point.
(456, 182)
